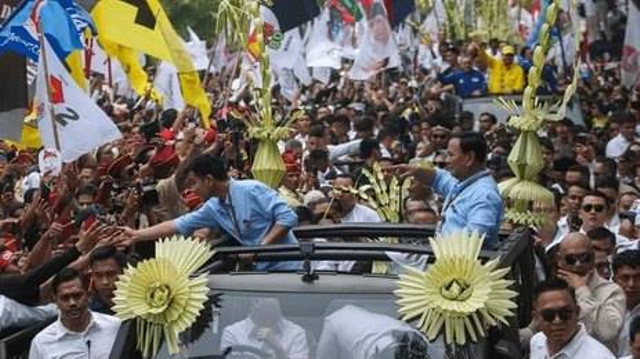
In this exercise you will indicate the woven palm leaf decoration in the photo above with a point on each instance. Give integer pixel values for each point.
(387, 199)
(522, 193)
(240, 20)
(161, 295)
(457, 296)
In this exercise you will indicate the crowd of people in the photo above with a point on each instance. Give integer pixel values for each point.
(66, 239)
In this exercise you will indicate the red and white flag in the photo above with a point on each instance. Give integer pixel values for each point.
(81, 125)
(631, 50)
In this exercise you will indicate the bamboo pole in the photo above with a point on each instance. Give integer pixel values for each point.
(56, 137)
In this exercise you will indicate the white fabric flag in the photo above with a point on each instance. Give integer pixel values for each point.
(81, 125)
(321, 51)
(198, 50)
(167, 82)
(322, 74)
(112, 70)
(631, 50)
(221, 55)
(378, 50)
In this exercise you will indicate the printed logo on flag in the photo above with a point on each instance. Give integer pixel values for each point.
(57, 95)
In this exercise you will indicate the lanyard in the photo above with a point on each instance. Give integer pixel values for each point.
(233, 214)
(451, 198)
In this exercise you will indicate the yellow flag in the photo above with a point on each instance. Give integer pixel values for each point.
(74, 62)
(145, 27)
(128, 58)
(30, 136)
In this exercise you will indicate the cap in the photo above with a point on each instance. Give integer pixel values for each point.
(116, 167)
(508, 50)
(23, 158)
(164, 156)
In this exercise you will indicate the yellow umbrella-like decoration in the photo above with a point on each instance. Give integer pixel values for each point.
(160, 294)
(457, 295)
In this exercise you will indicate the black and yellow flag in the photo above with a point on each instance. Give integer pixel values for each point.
(143, 25)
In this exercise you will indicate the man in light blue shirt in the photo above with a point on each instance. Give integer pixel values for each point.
(248, 211)
(471, 198)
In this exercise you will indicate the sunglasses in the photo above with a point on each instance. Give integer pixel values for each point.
(441, 137)
(574, 259)
(549, 315)
(598, 208)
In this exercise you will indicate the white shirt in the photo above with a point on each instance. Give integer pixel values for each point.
(360, 214)
(581, 346)
(623, 338)
(57, 342)
(291, 337)
(14, 314)
(355, 333)
(32, 180)
(617, 146)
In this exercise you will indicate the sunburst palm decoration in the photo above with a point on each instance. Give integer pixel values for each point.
(161, 295)
(522, 194)
(457, 296)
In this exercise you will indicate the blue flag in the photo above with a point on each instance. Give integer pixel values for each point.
(62, 22)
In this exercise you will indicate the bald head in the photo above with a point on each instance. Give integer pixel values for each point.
(575, 240)
(575, 254)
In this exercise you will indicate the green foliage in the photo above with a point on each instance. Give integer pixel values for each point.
(199, 14)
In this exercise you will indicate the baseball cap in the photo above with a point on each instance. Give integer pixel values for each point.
(508, 50)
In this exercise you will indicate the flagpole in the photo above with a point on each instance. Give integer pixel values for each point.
(88, 56)
(109, 72)
(56, 138)
(206, 74)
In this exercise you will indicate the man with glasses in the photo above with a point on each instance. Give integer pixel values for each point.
(594, 211)
(626, 273)
(602, 303)
(561, 336)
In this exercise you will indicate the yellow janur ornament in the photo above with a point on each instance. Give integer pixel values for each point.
(161, 295)
(457, 295)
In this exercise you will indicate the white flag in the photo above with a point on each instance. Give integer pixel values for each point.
(378, 50)
(198, 50)
(166, 81)
(321, 51)
(81, 125)
(631, 50)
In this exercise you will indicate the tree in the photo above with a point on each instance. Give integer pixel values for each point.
(198, 14)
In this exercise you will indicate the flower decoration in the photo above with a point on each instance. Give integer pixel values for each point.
(457, 295)
(161, 295)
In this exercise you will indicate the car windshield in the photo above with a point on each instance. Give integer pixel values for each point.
(250, 325)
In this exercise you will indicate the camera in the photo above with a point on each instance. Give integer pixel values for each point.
(148, 193)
